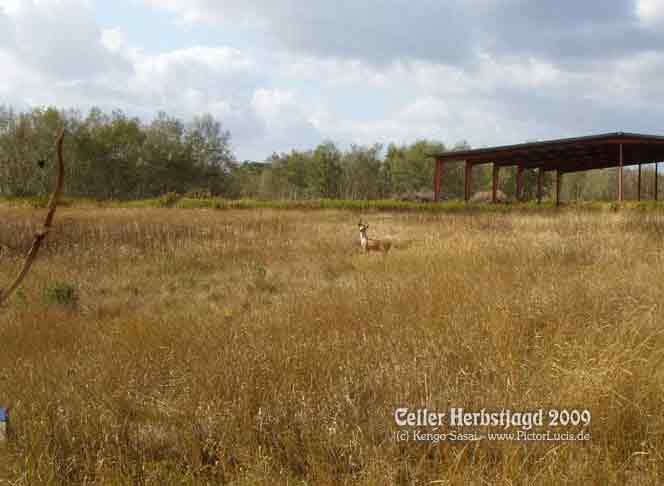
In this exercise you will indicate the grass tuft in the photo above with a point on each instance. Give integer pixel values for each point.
(64, 294)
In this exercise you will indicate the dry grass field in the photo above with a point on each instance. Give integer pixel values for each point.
(245, 347)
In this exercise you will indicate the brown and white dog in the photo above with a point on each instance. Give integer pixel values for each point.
(372, 245)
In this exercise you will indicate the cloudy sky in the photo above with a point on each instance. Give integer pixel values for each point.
(284, 74)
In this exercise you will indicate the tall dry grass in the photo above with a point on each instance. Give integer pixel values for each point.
(261, 347)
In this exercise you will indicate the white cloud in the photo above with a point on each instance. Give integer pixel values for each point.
(332, 71)
(374, 30)
(650, 11)
(15, 75)
(211, 11)
(114, 40)
(196, 75)
(59, 38)
(271, 103)
(7, 34)
(286, 119)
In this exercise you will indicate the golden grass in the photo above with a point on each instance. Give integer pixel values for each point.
(261, 347)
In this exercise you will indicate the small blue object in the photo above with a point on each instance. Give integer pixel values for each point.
(3, 415)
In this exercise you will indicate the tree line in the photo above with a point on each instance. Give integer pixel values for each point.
(114, 156)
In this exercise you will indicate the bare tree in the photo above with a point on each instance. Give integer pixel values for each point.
(39, 237)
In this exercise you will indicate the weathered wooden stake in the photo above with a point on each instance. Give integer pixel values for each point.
(656, 167)
(436, 180)
(519, 182)
(469, 174)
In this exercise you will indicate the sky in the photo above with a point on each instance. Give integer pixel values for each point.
(290, 74)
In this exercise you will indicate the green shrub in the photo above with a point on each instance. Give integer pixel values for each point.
(61, 293)
(168, 200)
(37, 202)
(196, 203)
(198, 194)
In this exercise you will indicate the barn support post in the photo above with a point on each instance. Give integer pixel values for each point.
(540, 184)
(519, 182)
(436, 180)
(494, 187)
(468, 180)
(620, 173)
(638, 186)
(656, 167)
(559, 176)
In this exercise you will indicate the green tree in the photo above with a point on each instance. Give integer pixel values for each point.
(326, 173)
(207, 146)
(411, 168)
(361, 173)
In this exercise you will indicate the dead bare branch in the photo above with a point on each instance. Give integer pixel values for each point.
(39, 237)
